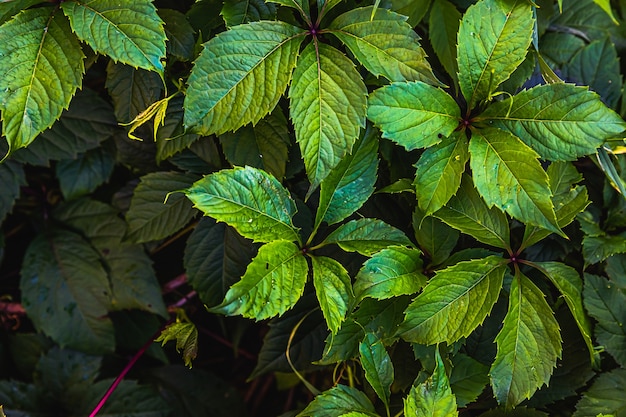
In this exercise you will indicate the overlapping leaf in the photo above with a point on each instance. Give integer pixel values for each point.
(131, 33)
(443, 25)
(132, 90)
(434, 237)
(454, 302)
(366, 236)
(272, 284)
(333, 289)
(233, 84)
(180, 40)
(248, 199)
(377, 366)
(414, 115)
(41, 66)
(493, 38)
(328, 100)
(384, 43)
(528, 345)
(559, 121)
(605, 397)
(337, 401)
(467, 379)
(83, 175)
(237, 12)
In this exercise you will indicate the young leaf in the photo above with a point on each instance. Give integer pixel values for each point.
(528, 345)
(432, 398)
(186, 336)
(237, 12)
(351, 183)
(333, 290)
(129, 33)
(467, 212)
(393, 271)
(384, 43)
(559, 121)
(507, 174)
(414, 115)
(41, 66)
(272, 284)
(338, 401)
(377, 366)
(434, 237)
(154, 213)
(443, 25)
(607, 304)
(493, 38)
(229, 76)
(569, 284)
(454, 302)
(328, 100)
(248, 199)
(439, 170)
(606, 395)
(366, 236)
(59, 278)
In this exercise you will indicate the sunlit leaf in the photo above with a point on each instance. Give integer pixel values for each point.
(333, 289)
(377, 366)
(186, 336)
(338, 401)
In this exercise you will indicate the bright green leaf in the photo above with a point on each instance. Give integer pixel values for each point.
(559, 121)
(377, 366)
(41, 66)
(493, 38)
(229, 76)
(328, 100)
(237, 12)
(528, 345)
(366, 236)
(507, 174)
(414, 115)
(131, 33)
(186, 336)
(394, 271)
(248, 199)
(384, 43)
(272, 284)
(333, 289)
(605, 397)
(338, 401)
(443, 25)
(454, 302)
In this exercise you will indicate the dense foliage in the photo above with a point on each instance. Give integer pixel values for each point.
(329, 208)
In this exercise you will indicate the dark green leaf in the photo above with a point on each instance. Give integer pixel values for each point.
(366, 236)
(400, 186)
(606, 395)
(454, 302)
(83, 175)
(338, 401)
(616, 270)
(333, 289)
(10, 8)
(434, 237)
(414, 9)
(467, 379)
(128, 400)
(171, 137)
(180, 40)
(585, 18)
(248, 199)
(12, 177)
(598, 248)
(186, 337)
(377, 366)
(443, 25)
(237, 12)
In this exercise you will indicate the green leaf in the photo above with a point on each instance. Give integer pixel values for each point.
(467, 379)
(186, 337)
(615, 268)
(180, 40)
(414, 9)
(433, 397)
(272, 284)
(155, 212)
(493, 38)
(42, 66)
(237, 12)
(229, 76)
(606, 395)
(439, 170)
(264, 146)
(400, 186)
(435, 238)
(414, 115)
(560, 121)
(528, 345)
(606, 6)
(83, 175)
(63, 281)
(351, 183)
(569, 284)
(301, 5)
(128, 400)
(394, 271)
(507, 174)
(171, 138)
(467, 212)
(13, 177)
(443, 25)
(129, 33)
(597, 248)
(384, 43)
(10, 8)
(366, 236)
(377, 366)
(328, 100)
(333, 289)
(454, 302)
(248, 199)
(607, 304)
(338, 401)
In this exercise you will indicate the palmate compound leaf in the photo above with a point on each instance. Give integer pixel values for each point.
(493, 38)
(333, 289)
(338, 401)
(272, 284)
(559, 121)
(328, 101)
(528, 345)
(248, 199)
(129, 32)
(439, 170)
(454, 302)
(384, 43)
(240, 75)
(42, 66)
(414, 114)
(366, 236)
(507, 174)
(377, 366)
